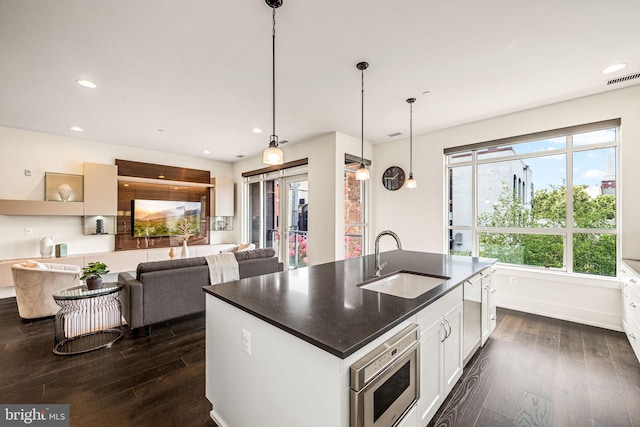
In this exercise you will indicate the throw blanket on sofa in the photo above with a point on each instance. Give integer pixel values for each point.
(222, 268)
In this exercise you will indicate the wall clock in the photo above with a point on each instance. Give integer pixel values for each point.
(393, 178)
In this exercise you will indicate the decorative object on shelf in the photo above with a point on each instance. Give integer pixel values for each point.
(64, 190)
(61, 250)
(273, 155)
(393, 178)
(92, 274)
(46, 246)
(187, 231)
(362, 173)
(411, 183)
(100, 226)
(62, 187)
(172, 252)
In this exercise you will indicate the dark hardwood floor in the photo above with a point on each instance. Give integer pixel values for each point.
(538, 371)
(534, 371)
(148, 381)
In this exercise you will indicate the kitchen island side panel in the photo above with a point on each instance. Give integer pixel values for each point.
(274, 383)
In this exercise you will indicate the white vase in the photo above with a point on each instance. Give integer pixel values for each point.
(64, 191)
(185, 250)
(46, 246)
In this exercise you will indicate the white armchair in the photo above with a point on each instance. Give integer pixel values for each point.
(35, 284)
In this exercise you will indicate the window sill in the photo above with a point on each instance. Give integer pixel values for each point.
(559, 276)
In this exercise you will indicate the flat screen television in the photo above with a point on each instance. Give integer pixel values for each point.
(158, 218)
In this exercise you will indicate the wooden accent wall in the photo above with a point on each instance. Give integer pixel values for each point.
(128, 191)
(153, 171)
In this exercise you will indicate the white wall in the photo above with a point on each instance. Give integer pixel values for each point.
(418, 215)
(40, 153)
(326, 199)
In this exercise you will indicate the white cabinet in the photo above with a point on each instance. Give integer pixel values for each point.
(441, 352)
(488, 316)
(631, 307)
(100, 189)
(222, 199)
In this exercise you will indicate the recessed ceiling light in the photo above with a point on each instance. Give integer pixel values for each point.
(613, 68)
(207, 152)
(76, 129)
(86, 83)
(257, 130)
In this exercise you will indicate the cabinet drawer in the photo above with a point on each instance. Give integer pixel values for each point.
(632, 329)
(438, 308)
(631, 302)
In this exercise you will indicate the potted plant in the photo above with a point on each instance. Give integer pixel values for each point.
(92, 274)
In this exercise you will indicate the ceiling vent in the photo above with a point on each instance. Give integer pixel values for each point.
(393, 135)
(623, 79)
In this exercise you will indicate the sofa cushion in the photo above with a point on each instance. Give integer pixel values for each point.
(147, 267)
(256, 253)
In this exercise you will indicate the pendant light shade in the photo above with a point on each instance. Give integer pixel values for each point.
(273, 155)
(411, 182)
(362, 174)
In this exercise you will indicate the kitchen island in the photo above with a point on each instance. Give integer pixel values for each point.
(279, 346)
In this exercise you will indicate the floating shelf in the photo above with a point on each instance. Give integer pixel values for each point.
(40, 208)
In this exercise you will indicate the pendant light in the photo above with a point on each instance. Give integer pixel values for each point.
(273, 155)
(362, 173)
(411, 183)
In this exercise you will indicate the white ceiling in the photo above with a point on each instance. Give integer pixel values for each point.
(200, 70)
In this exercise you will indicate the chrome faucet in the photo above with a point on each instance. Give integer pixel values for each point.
(379, 266)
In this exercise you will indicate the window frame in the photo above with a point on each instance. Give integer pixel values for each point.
(570, 230)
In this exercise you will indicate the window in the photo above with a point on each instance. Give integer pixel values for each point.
(546, 200)
(355, 225)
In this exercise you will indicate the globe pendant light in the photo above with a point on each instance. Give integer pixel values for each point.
(273, 155)
(362, 173)
(411, 183)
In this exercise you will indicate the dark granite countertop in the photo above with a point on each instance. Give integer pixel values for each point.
(324, 306)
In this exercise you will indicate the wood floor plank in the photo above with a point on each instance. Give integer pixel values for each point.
(488, 418)
(534, 410)
(608, 407)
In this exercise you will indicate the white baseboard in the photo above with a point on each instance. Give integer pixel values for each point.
(217, 419)
(563, 312)
(7, 292)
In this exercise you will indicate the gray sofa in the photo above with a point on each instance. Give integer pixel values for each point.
(165, 290)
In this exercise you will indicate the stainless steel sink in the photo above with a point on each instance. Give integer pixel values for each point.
(405, 285)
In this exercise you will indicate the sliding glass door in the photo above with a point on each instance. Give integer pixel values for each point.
(278, 209)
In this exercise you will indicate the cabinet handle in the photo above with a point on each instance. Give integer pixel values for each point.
(445, 332)
(486, 287)
(494, 317)
(633, 304)
(622, 271)
(486, 276)
(633, 280)
(493, 291)
(632, 335)
(449, 325)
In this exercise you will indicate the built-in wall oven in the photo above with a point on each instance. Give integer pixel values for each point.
(385, 384)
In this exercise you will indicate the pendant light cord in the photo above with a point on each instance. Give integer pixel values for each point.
(273, 69)
(362, 120)
(411, 139)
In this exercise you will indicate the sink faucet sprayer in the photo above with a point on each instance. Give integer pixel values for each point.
(379, 266)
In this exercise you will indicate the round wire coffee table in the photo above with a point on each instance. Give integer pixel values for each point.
(88, 319)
